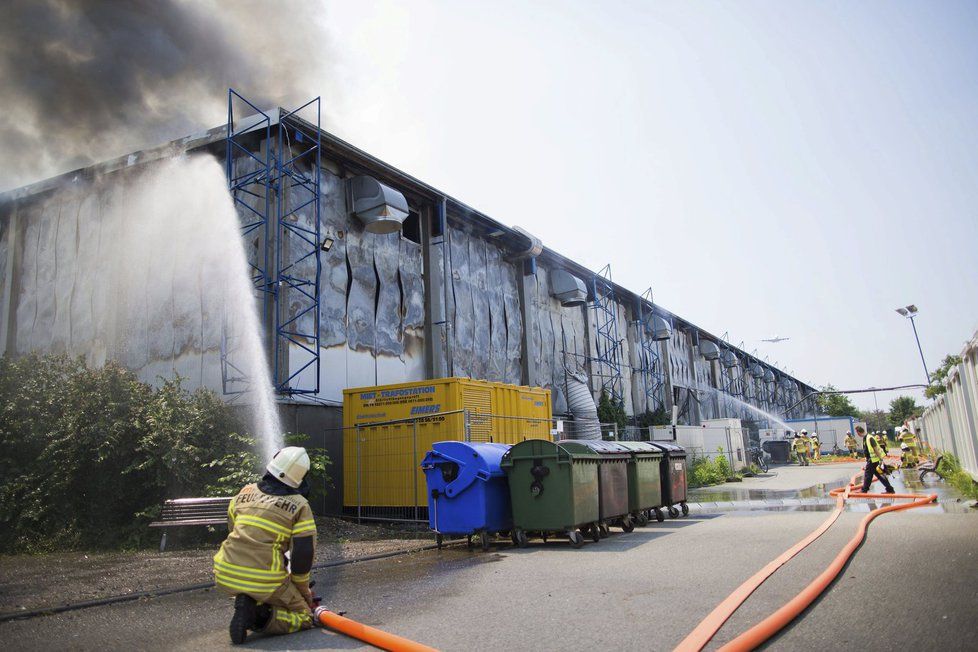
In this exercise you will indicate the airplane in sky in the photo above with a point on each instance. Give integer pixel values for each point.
(776, 339)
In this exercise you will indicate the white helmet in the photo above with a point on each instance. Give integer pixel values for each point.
(904, 429)
(804, 432)
(848, 432)
(289, 465)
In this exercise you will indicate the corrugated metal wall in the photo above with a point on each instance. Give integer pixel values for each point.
(951, 422)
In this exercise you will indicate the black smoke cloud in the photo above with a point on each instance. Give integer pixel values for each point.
(87, 80)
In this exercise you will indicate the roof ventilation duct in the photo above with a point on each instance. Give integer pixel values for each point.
(788, 385)
(381, 208)
(728, 359)
(768, 376)
(709, 350)
(534, 246)
(756, 370)
(658, 328)
(567, 288)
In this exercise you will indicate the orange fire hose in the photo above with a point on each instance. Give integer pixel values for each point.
(756, 635)
(367, 634)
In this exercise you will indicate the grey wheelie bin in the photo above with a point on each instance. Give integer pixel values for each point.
(673, 471)
(553, 490)
(644, 482)
(613, 461)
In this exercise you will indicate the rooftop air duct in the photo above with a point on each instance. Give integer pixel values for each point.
(768, 376)
(658, 328)
(533, 248)
(567, 288)
(381, 208)
(709, 350)
(728, 359)
(756, 370)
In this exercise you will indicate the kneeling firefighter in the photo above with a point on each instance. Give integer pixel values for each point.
(266, 519)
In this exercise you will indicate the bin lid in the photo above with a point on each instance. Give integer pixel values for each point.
(480, 457)
(604, 448)
(642, 448)
(670, 449)
(542, 448)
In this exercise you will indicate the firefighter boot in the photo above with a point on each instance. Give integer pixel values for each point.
(243, 619)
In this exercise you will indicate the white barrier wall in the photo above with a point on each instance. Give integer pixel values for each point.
(950, 424)
(701, 441)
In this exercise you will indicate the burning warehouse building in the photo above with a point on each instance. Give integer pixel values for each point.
(364, 276)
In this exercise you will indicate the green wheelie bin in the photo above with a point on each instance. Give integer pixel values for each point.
(644, 482)
(613, 459)
(553, 489)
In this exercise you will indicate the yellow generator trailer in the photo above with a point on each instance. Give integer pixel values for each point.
(388, 430)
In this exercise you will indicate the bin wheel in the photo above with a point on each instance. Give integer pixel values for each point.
(595, 531)
(439, 539)
(659, 516)
(605, 530)
(673, 512)
(626, 524)
(685, 509)
(520, 538)
(484, 540)
(641, 519)
(576, 538)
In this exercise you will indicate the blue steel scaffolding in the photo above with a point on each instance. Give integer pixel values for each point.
(277, 196)
(607, 343)
(651, 361)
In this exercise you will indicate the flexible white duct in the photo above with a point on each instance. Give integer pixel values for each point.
(581, 405)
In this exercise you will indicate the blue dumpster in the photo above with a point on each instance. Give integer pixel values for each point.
(468, 494)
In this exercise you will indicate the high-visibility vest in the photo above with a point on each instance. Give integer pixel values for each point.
(871, 444)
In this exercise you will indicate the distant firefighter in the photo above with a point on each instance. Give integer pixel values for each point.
(800, 446)
(851, 443)
(875, 455)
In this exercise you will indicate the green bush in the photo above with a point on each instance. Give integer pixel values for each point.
(960, 479)
(87, 456)
(704, 471)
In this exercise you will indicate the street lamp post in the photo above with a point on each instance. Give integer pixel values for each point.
(910, 312)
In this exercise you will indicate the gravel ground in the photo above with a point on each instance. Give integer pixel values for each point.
(47, 580)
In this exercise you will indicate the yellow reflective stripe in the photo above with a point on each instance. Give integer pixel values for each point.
(244, 585)
(300, 578)
(264, 524)
(304, 526)
(231, 510)
(238, 571)
(269, 573)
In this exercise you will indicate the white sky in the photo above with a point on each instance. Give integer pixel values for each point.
(770, 168)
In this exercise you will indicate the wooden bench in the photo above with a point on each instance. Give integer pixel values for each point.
(191, 511)
(930, 467)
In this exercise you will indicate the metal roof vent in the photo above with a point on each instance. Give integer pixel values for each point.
(756, 370)
(709, 350)
(728, 359)
(381, 208)
(768, 376)
(658, 328)
(788, 385)
(567, 288)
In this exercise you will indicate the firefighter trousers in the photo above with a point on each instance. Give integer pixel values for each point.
(872, 468)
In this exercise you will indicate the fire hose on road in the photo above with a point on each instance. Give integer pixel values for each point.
(367, 634)
(759, 633)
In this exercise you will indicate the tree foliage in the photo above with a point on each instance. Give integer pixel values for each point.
(903, 408)
(610, 411)
(836, 405)
(87, 456)
(939, 377)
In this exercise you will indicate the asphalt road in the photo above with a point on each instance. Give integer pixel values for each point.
(917, 574)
